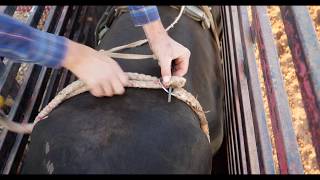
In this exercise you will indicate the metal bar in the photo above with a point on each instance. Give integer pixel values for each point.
(81, 21)
(226, 116)
(73, 21)
(247, 121)
(8, 10)
(233, 144)
(8, 77)
(236, 114)
(305, 51)
(227, 101)
(16, 114)
(7, 139)
(78, 35)
(2, 67)
(235, 111)
(12, 68)
(264, 146)
(238, 129)
(287, 148)
(34, 101)
(65, 75)
(56, 73)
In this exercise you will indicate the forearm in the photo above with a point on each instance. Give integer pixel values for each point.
(154, 31)
(166, 50)
(23, 43)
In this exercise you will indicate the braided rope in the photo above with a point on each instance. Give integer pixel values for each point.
(136, 80)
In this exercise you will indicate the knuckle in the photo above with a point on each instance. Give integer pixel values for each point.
(125, 83)
(96, 93)
(93, 83)
(120, 91)
(188, 53)
(118, 87)
(125, 79)
(108, 93)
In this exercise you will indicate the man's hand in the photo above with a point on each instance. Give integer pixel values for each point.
(102, 75)
(166, 50)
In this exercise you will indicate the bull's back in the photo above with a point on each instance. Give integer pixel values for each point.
(139, 132)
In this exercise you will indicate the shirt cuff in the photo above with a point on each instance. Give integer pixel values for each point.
(48, 49)
(142, 15)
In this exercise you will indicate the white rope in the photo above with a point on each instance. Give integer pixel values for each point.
(135, 80)
(143, 41)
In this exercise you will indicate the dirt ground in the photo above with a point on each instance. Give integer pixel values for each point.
(299, 119)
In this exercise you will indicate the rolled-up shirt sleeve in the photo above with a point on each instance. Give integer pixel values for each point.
(142, 15)
(22, 43)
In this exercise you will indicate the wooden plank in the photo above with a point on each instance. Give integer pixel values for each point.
(264, 146)
(286, 144)
(305, 51)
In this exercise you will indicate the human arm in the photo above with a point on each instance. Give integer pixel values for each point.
(162, 45)
(23, 43)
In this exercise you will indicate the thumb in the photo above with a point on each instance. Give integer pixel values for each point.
(165, 66)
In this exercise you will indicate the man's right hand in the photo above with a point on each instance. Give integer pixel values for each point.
(101, 74)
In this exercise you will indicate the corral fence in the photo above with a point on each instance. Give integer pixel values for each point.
(247, 147)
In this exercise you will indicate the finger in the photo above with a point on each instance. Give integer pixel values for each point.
(97, 91)
(123, 77)
(165, 66)
(107, 88)
(117, 87)
(181, 66)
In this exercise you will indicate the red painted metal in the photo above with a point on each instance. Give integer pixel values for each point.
(239, 161)
(246, 121)
(287, 148)
(247, 140)
(264, 147)
(305, 51)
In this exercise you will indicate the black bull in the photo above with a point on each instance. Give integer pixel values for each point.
(138, 132)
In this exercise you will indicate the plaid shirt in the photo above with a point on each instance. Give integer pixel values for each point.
(142, 15)
(22, 43)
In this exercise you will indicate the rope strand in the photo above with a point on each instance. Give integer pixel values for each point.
(143, 41)
(136, 80)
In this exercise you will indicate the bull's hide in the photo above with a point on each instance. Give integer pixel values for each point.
(138, 132)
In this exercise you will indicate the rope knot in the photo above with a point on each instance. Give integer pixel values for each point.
(177, 82)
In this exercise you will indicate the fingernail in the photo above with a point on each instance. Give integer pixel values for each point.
(166, 79)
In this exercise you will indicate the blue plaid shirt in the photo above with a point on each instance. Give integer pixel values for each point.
(23, 43)
(142, 15)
